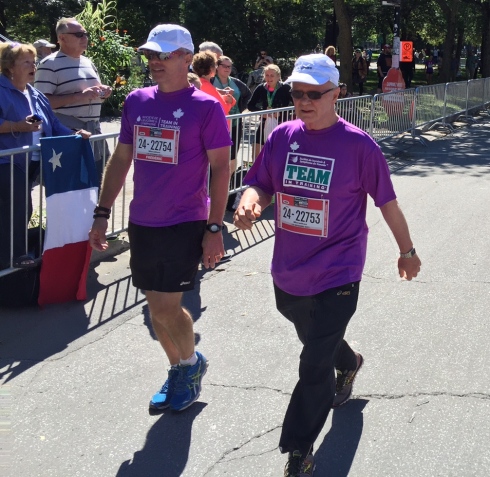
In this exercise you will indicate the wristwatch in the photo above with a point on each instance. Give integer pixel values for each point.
(214, 228)
(409, 254)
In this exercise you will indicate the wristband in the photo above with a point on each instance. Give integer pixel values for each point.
(103, 209)
(409, 254)
(101, 216)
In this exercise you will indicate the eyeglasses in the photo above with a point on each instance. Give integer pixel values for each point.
(149, 55)
(78, 34)
(225, 66)
(313, 95)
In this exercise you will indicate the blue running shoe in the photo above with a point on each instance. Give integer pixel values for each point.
(161, 399)
(188, 385)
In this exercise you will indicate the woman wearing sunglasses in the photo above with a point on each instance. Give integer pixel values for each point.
(204, 64)
(272, 94)
(223, 81)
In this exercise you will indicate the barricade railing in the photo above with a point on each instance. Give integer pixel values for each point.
(475, 96)
(356, 110)
(429, 106)
(455, 101)
(383, 116)
(392, 114)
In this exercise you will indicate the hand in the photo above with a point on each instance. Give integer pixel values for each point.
(408, 268)
(25, 125)
(246, 214)
(105, 91)
(212, 249)
(96, 236)
(83, 133)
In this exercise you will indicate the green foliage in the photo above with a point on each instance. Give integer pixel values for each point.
(110, 51)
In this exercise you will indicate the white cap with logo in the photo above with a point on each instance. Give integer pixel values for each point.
(314, 69)
(166, 38)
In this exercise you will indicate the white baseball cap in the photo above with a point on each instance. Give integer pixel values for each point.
(39, 43)
(314, 69)
(166, 38)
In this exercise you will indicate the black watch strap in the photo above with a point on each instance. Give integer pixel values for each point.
(214, 228)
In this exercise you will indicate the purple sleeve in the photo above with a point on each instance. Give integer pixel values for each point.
(376, 180)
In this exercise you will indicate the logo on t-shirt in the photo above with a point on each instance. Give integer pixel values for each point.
(178, 114)
(308, 172)
(294, 146)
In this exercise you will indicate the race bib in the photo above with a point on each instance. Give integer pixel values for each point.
(302, 215)
(156, 144)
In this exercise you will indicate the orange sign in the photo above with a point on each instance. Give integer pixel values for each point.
(406, 51)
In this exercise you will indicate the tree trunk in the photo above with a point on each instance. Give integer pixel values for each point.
(450, 10)
(485, 43)
(3, 19)
(345, 42)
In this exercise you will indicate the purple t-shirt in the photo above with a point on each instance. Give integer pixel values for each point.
(193, 122)
(339, 165)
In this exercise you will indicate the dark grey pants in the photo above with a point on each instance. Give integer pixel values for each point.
(320, 321)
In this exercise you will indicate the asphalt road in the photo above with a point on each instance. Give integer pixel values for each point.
(76, 378)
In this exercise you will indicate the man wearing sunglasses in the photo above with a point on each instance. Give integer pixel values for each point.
(71, 83)
(321, 170)
(173, 132)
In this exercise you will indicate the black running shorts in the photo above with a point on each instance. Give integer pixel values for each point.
(166, 259)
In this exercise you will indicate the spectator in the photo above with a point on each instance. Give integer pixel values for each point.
(269, 95)
(429, 69)
(263, 60)
(343, 91)
(330, 52)
(170, 227)
(383, 65)
(224, 82)
(204, 65)
(194, 79)
(454, 68)
(211, 46)
(359, 70)
(408, 69)
(25, 116)
(43, 49)
(71, 83)
(471, 64)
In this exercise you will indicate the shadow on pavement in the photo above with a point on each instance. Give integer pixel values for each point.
(166, 449)
(29, 336)
(338, 449)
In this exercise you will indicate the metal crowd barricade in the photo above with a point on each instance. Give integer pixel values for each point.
(120, 209)
(356, 110)
(382, 116)
(455, 101)
(392, 114)
(26, 151)
(429, 106)
(254, 125)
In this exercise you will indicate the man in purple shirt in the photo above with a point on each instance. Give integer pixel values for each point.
(321, 170)
(172, 132)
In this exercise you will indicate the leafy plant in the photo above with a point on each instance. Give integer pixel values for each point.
(110, 50)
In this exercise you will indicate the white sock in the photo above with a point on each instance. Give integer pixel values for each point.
(192, 360)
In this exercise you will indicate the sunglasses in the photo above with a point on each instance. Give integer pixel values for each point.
(313, 95)
(78, 34)
(149, 55)
(224, 66)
